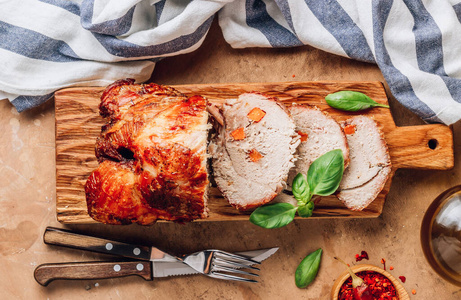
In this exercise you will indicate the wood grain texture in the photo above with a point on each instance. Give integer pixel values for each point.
(46, 273)
(401, 292)
(64, 238)
(78, 124)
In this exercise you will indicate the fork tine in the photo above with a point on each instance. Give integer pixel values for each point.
(230, 277)
(238, 257)
(233, 264)
(232, 270)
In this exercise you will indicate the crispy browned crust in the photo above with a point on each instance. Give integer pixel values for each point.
(123, 189)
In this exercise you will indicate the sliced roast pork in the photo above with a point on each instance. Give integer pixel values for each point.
(370, 163)
(319, 134)
(253, 150)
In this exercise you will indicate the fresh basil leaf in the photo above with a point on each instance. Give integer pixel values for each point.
(306, 210)
(351, 101)
(300, 189)
(273, 216)
(326, 172)
(308, 269)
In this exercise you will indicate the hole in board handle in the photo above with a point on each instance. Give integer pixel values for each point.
(432, 144)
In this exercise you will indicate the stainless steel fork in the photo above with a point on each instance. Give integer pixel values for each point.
(220, 264)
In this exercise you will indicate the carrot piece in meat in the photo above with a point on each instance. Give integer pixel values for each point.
(256, 114)
(349, 129)
(238, 134)
(303, 135)
(255, 156)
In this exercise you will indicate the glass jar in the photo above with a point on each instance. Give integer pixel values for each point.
(441, 235)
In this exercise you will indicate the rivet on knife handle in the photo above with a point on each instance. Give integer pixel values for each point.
(46, 273)
(59, 237)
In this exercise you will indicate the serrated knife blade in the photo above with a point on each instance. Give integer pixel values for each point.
(177, 268)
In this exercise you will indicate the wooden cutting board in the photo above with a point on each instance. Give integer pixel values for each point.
(78, 124)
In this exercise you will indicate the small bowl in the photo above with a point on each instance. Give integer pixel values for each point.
(402, 294)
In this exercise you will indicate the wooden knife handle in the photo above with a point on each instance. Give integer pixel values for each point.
(60, 237)
(46, 273)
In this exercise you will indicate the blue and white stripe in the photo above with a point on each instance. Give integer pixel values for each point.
(46, 45)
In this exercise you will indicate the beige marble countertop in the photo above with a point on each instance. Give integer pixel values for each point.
(27, 196)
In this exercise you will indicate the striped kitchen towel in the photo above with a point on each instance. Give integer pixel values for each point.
(46, 45)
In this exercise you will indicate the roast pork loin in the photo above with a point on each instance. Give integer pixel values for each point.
(254, 150)
(152, 155)
(370, 163)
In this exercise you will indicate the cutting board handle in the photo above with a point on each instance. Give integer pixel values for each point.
(422, 147)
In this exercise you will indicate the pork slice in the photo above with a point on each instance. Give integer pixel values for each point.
(360, 197)
(252, 170)
(370, 163)
(319, 133)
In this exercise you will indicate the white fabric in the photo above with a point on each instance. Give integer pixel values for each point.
(47, 45)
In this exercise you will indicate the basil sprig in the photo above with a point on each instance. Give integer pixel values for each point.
(351, 101)
(308, 269)
(306, 210)
(323, 178)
